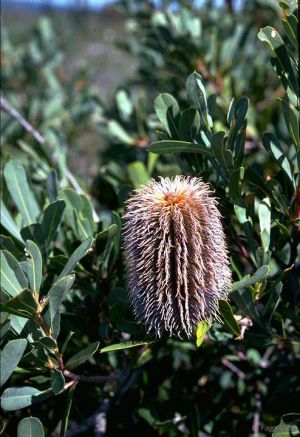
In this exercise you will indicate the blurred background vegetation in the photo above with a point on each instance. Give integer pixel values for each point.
(114, 95)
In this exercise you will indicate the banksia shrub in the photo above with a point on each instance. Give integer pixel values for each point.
(176, 257)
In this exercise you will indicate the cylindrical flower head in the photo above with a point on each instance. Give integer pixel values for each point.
(176, 256)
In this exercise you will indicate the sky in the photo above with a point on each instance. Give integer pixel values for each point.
(66, 3)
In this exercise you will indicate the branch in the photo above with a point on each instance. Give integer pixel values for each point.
(98, 420)
(233, 368)
(6, 107)
(256, 417)
(91, 379)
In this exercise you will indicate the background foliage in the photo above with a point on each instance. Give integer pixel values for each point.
(208, 98)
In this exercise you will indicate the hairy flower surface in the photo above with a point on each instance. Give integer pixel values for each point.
(175, 253)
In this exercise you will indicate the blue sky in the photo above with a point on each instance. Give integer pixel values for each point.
(91, 3)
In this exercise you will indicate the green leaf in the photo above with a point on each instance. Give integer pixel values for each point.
(125, 345)
(65, 418)
(125, 106)
(223, 155)
(57, 294)
(228, 317)
(51, 219)
(35, 233)
(168, 146)
(291, 116)
(118, 132)
(137, 173)
(8, 222)
(17, 184)
(9, 281)
(48, 343)
(189, 124)
(76, 256)
(248, 280)
(197, 97)
(34, 266)
(10, 357)
(82, 356)
(15, 398)
(273, 146)
(57, 381)
(271, 36)
(167, 110)
(290, 25)
(52, 185)
(22, 305)
(240, 210)
(8, 244)
(235, 182)
(201, 331)
(79, 213)
(15, 266)
(237, 118)
(151, 161)
(30, 427)
(264, 215)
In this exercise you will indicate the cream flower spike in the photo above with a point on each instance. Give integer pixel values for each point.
(175, 254)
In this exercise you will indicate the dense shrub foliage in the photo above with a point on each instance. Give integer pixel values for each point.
(215, 96)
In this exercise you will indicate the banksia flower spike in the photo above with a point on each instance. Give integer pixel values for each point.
(175, 253)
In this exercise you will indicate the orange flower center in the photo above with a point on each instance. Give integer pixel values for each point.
(172, 198)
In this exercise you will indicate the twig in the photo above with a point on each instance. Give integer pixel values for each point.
(233, 368)
(92, 379)
(256, 417)
(6, 107)
(98, 418)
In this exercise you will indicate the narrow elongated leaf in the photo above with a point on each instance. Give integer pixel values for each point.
(239, 111)
(15, 398)
(52, 217)
(273, 146)
(57, 381)
(223, 155)
(291, 116)
(8, 222)
(197, 97)
(201, 331)
(264, 215)
(290, 25)
(76, 256)
(117, 131)
(35, 233)
(269, 35)
(248, 280)
(57, 294)
(15, 266)
(30, 427)
(35, 266)
(125, 345)
(22, 305)
(65, 418)
(168, 146)
(167, 110)
(228, 317)
(138, 174)
(17, 323)
(17, 184)
(9, 281)
(78, 213)
(52, 185)
(10, 357)
(189, 124)
(82, 356)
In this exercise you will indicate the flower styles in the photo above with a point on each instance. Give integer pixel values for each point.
(175, 253)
